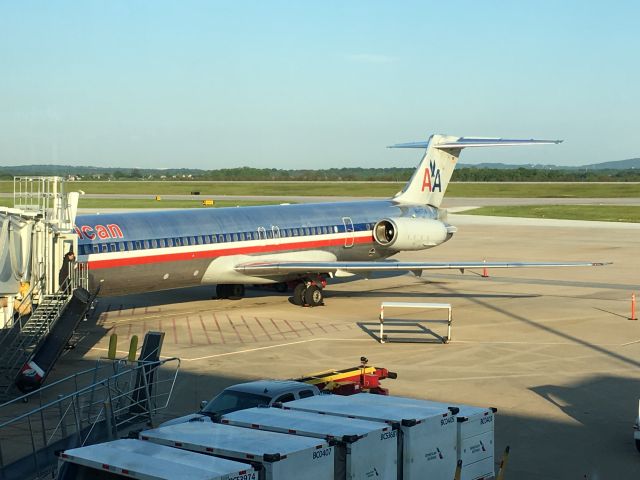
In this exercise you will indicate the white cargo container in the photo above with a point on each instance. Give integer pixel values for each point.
(283, 457)
(130, 458)
(475, 431)
(427, 448)
(364, 449)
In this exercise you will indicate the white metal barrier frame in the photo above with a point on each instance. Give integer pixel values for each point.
(443, 306)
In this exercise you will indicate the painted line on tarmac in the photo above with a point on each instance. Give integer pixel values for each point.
(525, 375)
(474, 342)
(249, 350)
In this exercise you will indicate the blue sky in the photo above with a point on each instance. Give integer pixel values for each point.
(314, 84)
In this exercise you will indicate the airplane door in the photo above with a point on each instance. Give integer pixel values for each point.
(275, 230)
(349, 231)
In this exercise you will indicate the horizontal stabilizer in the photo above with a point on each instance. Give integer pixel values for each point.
(464, 142)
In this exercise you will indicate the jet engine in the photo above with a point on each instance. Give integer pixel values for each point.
(411, 233)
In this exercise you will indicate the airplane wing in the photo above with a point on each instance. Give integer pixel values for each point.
(265, 269)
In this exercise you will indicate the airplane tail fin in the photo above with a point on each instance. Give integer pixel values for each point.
(429, 181)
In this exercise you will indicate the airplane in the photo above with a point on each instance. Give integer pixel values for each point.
(298, 246)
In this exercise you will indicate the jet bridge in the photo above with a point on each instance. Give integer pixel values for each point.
(35, 234)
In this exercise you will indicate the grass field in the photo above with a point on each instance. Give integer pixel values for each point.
(605, 213)
(517, 190)
(98, 203)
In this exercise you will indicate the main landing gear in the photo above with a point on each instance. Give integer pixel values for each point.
(308, 294)
(233, 291)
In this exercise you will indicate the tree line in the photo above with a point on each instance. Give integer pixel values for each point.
(392, 174)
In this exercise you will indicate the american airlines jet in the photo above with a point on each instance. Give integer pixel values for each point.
(292, 246)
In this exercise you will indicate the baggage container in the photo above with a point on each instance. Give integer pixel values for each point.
(131, 458)
(282, 457)
(475, 432)
(364, 449)
(427, 440)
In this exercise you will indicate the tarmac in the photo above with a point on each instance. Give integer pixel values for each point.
(552, 349)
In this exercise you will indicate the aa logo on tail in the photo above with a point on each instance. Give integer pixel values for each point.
(431, 180)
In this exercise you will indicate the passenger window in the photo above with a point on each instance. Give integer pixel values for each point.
(112, 247)
(214, 239)
(227, 237)
(287, 397)
(313, 230)
(146, 244)
(138, 246)
(305, 393)
(105, 248)
(161, 242)
(306, 231)
(169, 242)
(96, 249)
(154, 244)
(235, 237)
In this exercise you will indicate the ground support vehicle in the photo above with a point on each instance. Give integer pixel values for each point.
(364, 449)
(129, 458)
(279, 456)
(636, 429)
(427, 440)
(351, 380)
(475, 431)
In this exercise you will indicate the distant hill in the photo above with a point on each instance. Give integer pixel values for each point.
(615, 165)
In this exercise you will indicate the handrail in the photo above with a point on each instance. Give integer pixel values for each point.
(141, 365)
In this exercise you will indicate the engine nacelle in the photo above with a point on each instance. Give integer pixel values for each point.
(410, 233)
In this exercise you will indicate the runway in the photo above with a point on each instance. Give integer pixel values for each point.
(552, 349)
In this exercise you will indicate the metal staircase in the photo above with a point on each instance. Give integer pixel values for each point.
(18, 343)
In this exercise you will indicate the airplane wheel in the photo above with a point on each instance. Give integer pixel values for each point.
(313, 296)
(298, 294)
(222, 291)
(236, 291)
(281, 287)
